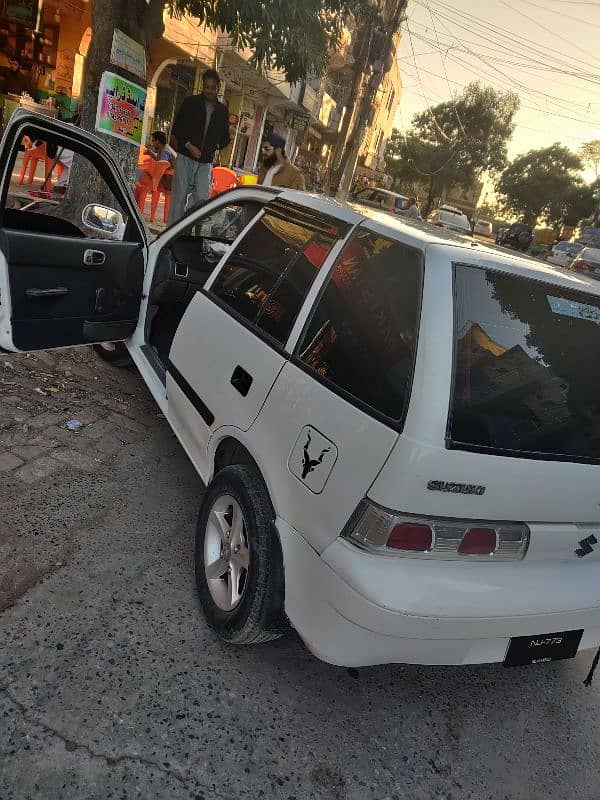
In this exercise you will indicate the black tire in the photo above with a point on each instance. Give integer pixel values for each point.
(119, 357)
(259, 616)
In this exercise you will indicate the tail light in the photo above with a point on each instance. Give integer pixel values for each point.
(391, 533)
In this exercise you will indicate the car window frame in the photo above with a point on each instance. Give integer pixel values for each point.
(395, 424)
(284, 349)
(78, 140)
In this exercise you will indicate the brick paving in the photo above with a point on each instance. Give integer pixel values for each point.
(41, 392)
(53, 480)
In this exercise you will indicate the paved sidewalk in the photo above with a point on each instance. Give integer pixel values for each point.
(39, 394)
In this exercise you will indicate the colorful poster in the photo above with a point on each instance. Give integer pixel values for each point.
(128, 54)
(121, 105)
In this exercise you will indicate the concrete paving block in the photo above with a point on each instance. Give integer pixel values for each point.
(73, 458)
(31, 451)
(9, 461)
(99, 428)
(45, 419)
(37, 470)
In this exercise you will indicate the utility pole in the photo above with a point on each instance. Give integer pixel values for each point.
(377, 62)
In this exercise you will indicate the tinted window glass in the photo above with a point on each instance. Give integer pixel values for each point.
(527, 366)
(362, 335)
(267, 277)
(400, 203)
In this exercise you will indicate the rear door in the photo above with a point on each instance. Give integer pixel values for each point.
(230, 344)
(71, 264)
(337, 407)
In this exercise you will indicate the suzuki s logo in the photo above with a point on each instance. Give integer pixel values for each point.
(585, 546)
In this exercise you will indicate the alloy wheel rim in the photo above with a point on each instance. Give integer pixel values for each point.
(226, 553)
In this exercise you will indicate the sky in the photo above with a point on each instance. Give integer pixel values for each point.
(546, 51)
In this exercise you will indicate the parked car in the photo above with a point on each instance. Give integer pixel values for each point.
(518, 235)
(483, 227)
(450, 220)
(588, 261)
(562, 253)
(385, 418)
(382, 199)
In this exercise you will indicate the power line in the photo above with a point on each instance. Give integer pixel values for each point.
(443, 60)
(490, 33)
(531, 108)
(520, 65)
(517, 124)
(435, 122)
(549, 30)
(547, 97)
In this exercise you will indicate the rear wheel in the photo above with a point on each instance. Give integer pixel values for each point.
(115, 353)
(239, 567)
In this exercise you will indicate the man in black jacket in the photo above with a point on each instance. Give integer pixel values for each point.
(201, 128)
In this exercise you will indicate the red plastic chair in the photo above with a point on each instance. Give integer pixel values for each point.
(223, 178)
(31, 157)
(149, 182)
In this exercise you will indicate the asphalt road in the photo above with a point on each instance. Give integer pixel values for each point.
(111, 685)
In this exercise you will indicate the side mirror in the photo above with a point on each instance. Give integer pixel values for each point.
(105, 220)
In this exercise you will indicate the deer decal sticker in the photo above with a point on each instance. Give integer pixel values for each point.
(310, 464)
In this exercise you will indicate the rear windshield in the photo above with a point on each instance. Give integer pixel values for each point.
(454, 219)
(527, 368)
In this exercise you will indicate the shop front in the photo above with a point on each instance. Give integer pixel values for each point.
(43, 44)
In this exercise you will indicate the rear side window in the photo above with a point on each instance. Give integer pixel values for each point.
(527, 368)
(400, 203)
(362, 336)
(267, 277)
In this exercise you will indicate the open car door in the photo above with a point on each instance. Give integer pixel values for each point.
(73, 247)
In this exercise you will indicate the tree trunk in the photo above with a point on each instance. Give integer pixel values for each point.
(143, 22)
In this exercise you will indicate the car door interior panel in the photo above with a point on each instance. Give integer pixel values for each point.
(61, 295)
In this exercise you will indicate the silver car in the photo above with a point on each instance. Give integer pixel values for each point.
(563, 253)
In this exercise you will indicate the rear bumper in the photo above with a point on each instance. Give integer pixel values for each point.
(327, 604)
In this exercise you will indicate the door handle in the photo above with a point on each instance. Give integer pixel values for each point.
(35, 294)
(241, 380)
(94, 258)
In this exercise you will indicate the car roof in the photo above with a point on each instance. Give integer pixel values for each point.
(456, 248)
(385, 191)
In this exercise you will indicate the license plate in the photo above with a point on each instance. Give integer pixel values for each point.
(524, 650)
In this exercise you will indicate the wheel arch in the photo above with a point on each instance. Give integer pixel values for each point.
(230, 450)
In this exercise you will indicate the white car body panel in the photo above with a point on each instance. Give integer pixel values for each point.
(296, 401)
(208, 370)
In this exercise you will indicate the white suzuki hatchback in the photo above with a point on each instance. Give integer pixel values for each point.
(399, 429)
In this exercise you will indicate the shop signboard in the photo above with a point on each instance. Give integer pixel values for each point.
(128, 54)
(23, 11)
(299, 123)
(120, 111)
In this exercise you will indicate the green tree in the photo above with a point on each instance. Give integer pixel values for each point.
(293, 37)
(454, 142)
(544, 183)
(589, 153)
